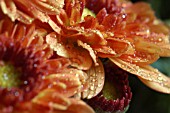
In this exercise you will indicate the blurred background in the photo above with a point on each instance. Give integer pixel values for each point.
(144, 99)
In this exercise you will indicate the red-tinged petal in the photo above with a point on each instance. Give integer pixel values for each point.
(89, 22)
(52, 99)
(147, 74)
(101, 15)
(95, 81)
(75, 14)
(63, 18)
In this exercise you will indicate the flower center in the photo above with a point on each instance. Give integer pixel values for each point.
(109, 91)
(9, 76)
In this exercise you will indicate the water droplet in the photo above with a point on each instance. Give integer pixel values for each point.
(160, 39)
(102, 78)
(92, 87)
(160, 78)
(123, 16)
(16, 93)
(25, 82)
(99, 85)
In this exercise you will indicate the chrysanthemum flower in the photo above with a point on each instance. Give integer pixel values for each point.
(129, 36)
(32, 78)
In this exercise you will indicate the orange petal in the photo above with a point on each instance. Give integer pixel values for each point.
(95, 81)
(74, 80)
(144, 46)
(79, 56)
(147, 74)
(91, 51)
(52, 99)
(163, 87)
(48, 6)
(79, 106)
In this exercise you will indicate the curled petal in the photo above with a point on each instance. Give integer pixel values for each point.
(70, 50)
(95, 81)
(104, 51)
(121, 46)
(147, 75)
(74, 80)
(74, 9)
(91, 51)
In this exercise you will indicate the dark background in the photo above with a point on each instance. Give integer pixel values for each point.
(144, 99)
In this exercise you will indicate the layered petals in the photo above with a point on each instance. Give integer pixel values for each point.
(28, 11)
(148, 75)
(47, 81)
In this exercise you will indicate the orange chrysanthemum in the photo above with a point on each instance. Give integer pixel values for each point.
(32, 78)
(130, 37)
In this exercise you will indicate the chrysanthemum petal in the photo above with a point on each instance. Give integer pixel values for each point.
(91, 51)
(83, 107)
(70, 50)
(145, 46)
(147, 74)
(75, 81)
(95, 81)
(52, 99)
(49, 6)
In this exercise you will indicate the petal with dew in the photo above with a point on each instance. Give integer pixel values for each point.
(95, 81)
(144, 46)
(91, 51)
(74, 80)
(161, 87)
(147, 74)
(52, 99)
(68, 49)
(50, 6)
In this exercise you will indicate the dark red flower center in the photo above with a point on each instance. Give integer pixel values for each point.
(21, 72)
